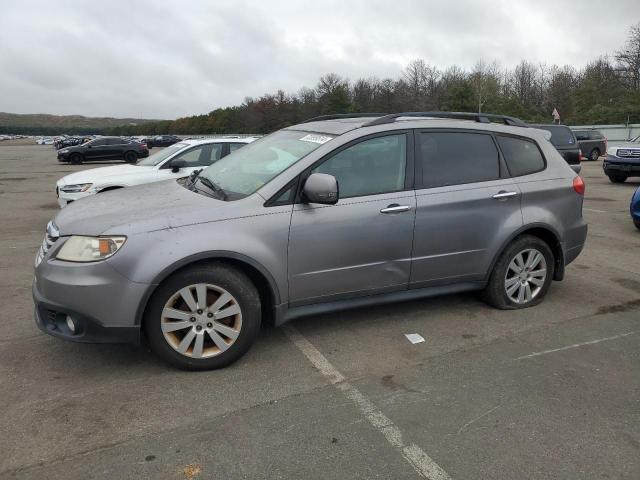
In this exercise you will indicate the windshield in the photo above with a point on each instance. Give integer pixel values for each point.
(162, 155)
(249, 168)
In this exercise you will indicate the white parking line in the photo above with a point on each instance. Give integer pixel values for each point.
(422, 463)
(576, 345)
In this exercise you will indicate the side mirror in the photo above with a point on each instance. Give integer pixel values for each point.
(321, 188)
(576, 168)
(176, 165)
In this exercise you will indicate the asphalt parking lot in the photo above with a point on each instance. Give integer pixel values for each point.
(548, 392)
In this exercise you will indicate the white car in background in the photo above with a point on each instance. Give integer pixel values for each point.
(176, 161)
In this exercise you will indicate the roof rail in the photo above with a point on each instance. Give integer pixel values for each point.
(337, 116)
(477, 117)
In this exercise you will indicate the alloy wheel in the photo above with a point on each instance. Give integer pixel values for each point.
(201, 320)
(525, 276)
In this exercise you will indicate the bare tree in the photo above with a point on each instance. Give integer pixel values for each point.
(629, 58)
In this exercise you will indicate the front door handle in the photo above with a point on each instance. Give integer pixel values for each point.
(395, 208)
(504, 195)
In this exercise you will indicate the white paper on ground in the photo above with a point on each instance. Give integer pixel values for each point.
(414, 337)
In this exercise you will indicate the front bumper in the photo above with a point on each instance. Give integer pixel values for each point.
(65, 198)
(102, 303)
(629, 167)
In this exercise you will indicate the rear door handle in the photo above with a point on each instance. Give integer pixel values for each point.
(504, 195)
(395, 208)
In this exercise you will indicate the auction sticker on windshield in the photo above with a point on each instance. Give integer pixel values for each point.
(316, 138)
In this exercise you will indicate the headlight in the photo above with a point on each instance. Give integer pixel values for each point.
(89, 249)
(64, 150)
(81, 187)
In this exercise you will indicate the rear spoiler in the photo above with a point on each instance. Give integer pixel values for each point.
(545, 133)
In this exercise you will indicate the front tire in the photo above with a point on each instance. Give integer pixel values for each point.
(522, 275)
(636, 223)
(204, 317)
(76, 159)
(594, 155)
(617, 178)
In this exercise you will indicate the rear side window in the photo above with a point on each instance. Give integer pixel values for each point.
(454, 158)
(597, 135)
(581, 135)
(522, 156)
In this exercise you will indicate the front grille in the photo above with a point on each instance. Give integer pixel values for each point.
(52, 234)
(629, 153)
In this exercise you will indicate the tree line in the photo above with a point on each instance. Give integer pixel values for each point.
(606, 90)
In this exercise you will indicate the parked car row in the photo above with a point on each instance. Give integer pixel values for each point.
(333, 213)
(177, 161)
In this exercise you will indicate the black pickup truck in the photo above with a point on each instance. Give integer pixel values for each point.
(565, 142)
(592, 143)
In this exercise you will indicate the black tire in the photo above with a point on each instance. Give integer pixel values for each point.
(76, 158)
(218, 274)
(594, 155)
(130, 157)
(636, 223)
(617, 178)
(495, 293)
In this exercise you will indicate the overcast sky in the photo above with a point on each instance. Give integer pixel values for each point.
(166, 59)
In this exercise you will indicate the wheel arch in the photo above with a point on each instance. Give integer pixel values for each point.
(258, 274)
(547, 234)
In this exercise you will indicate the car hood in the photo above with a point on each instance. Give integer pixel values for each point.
(626, 145)
(143, 208)
(99, 175)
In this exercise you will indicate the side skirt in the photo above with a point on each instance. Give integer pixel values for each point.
(283, 313)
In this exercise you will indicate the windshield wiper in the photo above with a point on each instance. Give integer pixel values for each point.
(191, 180)
(212, 186)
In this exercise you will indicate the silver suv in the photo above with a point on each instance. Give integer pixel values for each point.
(329, 214)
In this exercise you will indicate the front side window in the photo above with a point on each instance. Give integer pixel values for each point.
(249, 168)
(522, 156)
(196, 157)
(455, 158)
(370, 167)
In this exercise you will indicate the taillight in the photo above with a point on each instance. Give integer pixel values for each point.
(579, 185)
(581, 156)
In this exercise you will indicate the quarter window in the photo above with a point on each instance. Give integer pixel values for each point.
(373, 166)
(454, 158)
(522, 156)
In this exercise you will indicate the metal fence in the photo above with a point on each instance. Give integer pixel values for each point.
(616, 134)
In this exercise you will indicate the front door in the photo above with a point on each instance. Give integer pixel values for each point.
(467, 207)
(361, 245)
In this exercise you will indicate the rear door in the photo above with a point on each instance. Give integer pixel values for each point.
(361, 245)
(467, 206)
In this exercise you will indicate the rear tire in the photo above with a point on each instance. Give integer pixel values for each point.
(617, 178)
(636, 223)
(188, 305)
(522, 275)
(130, 157)
(76, 159)
(594, 155)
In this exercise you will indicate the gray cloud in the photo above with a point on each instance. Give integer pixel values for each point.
(162, 59)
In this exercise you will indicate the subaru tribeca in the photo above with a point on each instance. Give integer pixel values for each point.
(329, 214)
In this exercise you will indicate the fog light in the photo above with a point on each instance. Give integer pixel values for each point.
(71, 324)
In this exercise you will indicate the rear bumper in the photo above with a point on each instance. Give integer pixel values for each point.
(574, 242)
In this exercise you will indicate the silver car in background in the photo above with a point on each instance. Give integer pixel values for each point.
(330, 214)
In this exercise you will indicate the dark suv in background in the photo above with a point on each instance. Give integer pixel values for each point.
(563, 138)
(592, 143)
(104, 148)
